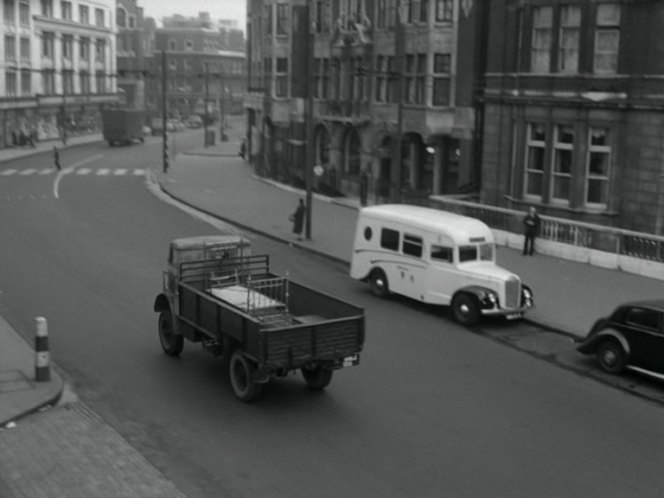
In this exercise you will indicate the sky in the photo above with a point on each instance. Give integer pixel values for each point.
(218, 9)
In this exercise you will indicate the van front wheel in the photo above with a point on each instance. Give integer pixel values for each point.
(378, 282)
(466, 309)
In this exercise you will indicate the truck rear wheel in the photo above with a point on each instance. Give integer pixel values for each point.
(241, 373)
(317, 378)
(171, 343)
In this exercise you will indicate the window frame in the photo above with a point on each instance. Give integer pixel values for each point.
(607, 150)
(412, 245)
(603, 27)
(565, 28)
(558, 148)
(532, 144)
(441, 79)
(391, 244)
(540, 30)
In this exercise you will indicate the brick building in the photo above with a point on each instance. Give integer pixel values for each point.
(386, 81)
(574, 110)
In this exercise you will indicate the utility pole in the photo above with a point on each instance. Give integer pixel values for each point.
(310, 156)
(163, 109)
(205, 102)
(399, 56)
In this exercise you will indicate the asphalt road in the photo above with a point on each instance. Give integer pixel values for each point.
(433, 410)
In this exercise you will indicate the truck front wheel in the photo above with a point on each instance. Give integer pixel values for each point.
(466, 309)
(241, 372)
(171, 343)
(317, 378)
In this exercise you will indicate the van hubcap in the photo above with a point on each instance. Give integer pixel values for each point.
(464, 309)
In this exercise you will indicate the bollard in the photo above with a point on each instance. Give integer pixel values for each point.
(42, 355)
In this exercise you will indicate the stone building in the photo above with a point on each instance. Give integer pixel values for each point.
(394, 87)
(574, 110)
(57, 66)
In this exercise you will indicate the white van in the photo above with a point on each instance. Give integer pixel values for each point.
(435, 257)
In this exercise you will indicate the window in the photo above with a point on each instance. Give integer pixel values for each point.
(325, 90)
(282, 19)
(24, 13)
(643, 318)
(444, 10)
(99, 18)
(267, 17)
(607, 38)
(171, 45)
(10, 83)
(48, 81)
(442, 253)
(8, 11)
(410, 95)
(412, 245)
(100, 50)
(48, 41)
(26, 82)
(10, 48)
(381, 14)
(67, 46)
(47, 8)
(599, 165)
(84, 49)
(420, 79)
(68, 82)
(101, 82)
(281, 77)
(381, 78)
(25, 49)
(418, 10)
(172, 64)
(563, 148)
(535, 149)
(132, 22)
(441, 79)
(189, 46)
(389, 239)
(187, 64)
(541, 44)
(568, 42)
(467, 253)
(84, 78)
(121, 17)
(66, 11)
(83, 14)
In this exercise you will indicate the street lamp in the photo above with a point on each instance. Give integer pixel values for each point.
(310, 157)
(399, 56)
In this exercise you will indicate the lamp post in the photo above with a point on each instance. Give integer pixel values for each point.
(163, 109)
(310, 157)
(399, 56)
(206, 75)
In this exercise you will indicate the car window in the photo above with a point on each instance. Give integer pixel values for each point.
(441, 253)
(412, 245)
(467, 253)
(389, 239)
(643, 317)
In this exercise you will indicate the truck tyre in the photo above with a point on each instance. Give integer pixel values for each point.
(171, 343)
(317, 378)
(241, 372)
(378, 282)
(466, 309)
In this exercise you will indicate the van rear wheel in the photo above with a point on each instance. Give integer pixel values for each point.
(378, 282)
(466, 309)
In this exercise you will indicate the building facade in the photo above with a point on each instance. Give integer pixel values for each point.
(394, 87)
(197, 70)
(135, 45)
(574, 107)
(57, 67)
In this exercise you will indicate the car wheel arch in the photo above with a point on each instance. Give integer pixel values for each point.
(611, 334)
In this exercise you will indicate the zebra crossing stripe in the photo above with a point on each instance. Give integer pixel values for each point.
(103, 171)
(8, 172)
(120, 172)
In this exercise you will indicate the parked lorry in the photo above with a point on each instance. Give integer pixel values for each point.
(216, 293)
(123, 126)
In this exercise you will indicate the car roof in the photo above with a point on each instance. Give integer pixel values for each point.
(459, 228)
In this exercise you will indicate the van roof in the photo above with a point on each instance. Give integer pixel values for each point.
(458, 227)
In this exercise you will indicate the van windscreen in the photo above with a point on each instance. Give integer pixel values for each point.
(467, 253)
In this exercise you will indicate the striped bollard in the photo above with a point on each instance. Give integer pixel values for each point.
(42, 355)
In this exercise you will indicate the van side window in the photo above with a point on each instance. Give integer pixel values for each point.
(441, 253)
(389, 239)
(467, 253)
(412, 245)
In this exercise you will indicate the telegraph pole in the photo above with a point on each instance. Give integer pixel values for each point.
(399, 56)
(205, 103)
(163, 109)
(310, 156)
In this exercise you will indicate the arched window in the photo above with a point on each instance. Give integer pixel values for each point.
(121, 18)
(352, 157)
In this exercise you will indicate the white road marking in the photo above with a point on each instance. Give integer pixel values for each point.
(46, 171)
(83, 171)
(103, 171)
(8, 172)
(56, 182)
(139, 172)
(28, 171)
(120, 172)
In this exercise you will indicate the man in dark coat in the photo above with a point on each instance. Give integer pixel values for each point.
(531, 223)
(298, 220)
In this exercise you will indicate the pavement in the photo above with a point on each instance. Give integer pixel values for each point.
(55, 446)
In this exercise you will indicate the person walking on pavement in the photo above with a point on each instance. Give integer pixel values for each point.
(531, 223)
(56, 158)
(298, 220)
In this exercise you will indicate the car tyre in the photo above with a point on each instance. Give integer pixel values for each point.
(241, 373)
(171, 343)
(466, 309)
(379, 284)
(317, 378)
(611, 356)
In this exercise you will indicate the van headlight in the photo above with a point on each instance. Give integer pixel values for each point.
(490, 299)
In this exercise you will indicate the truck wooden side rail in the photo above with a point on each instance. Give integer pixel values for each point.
(265, 325)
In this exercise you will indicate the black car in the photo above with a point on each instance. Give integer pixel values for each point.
(631, 337)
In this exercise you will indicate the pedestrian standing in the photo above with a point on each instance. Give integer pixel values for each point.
(364, 187)
(243, 148)
(298, 220)
(531, 224)
(56, 158)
